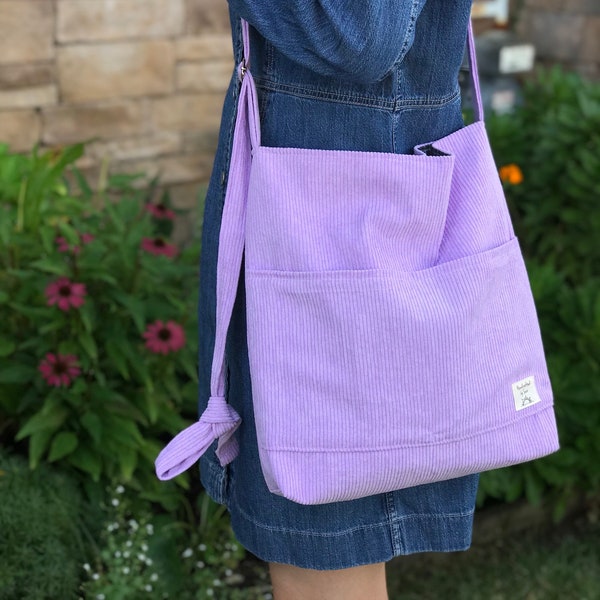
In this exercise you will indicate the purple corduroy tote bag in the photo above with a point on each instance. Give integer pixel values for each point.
(392, 335)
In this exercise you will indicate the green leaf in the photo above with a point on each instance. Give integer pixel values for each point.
(88, 344)
(49, 327)
(115, 354)
(42, 421)
(33, 312)
(125, 432)
(62, 445)
(38, 443)
(7, 347)
(135, 306)
(88, 316)
(50, 266)
(17, 374)
(152, 405)
(126, 409)
(47, 235)
(128, 460)
(534, 487)
(88, 461)
(69, 232)
(93, 425)
(84, 186)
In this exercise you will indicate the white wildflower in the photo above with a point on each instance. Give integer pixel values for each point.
(228, 572)
(128, 543)
(148, 587)
(100, 596)
(126, 554)
(95, 576)
(150, 528)
(126, 570)
(187, 553)
(114, 502)
(87, 567)
(118, 554)
(120, 489)
(210, 592)
(154, 577)
(200, 564)
(149, 561)
(141, 557)
(133, 524)
(202, 547)
(144, 547)
(216, 582)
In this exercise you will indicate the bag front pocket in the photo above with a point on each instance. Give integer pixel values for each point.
(322, 210)
(369, 359)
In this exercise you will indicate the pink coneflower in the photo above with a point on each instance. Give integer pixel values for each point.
(63, 244)
(159, 246)
(59, 369)
(163, 338)
(65, 293)
(160, 211)
(86, 238)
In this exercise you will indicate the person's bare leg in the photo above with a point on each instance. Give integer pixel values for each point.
(357, 583)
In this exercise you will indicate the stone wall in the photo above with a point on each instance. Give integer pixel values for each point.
(563, 31)
(144, 79)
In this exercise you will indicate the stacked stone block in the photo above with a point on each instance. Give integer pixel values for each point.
(563, 31)
(143, 80)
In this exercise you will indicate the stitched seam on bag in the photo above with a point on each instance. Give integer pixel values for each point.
(417, 445)
(351, 530)
(503, 251)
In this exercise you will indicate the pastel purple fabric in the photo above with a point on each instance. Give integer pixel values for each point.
(392, 334)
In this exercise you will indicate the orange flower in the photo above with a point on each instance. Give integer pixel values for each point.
(511, 174)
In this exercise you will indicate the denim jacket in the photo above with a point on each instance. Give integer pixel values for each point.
(370, 75)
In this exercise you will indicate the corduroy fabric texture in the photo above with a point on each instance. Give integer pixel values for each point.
(392, 335)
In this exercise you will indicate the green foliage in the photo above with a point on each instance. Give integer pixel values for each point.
(555, 140)
(42, 520)
(106, 414)
(150, 555)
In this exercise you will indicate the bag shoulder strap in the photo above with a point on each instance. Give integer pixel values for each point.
(220, 420)
(474, 75)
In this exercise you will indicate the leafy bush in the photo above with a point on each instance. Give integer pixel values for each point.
(97, 321)
(42, 517)
(554, 137)
(149, 555)
(554, 141)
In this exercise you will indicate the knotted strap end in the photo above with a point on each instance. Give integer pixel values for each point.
(219, 420)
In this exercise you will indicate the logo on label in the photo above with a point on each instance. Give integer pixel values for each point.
(525, 393)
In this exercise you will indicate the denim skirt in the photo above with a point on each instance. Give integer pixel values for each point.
(435, 517)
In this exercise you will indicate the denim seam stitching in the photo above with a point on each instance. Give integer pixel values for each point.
(396, 520)
(356, 99)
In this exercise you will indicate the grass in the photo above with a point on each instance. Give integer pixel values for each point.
(563, 564)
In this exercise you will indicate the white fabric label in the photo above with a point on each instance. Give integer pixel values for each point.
(525, 393)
